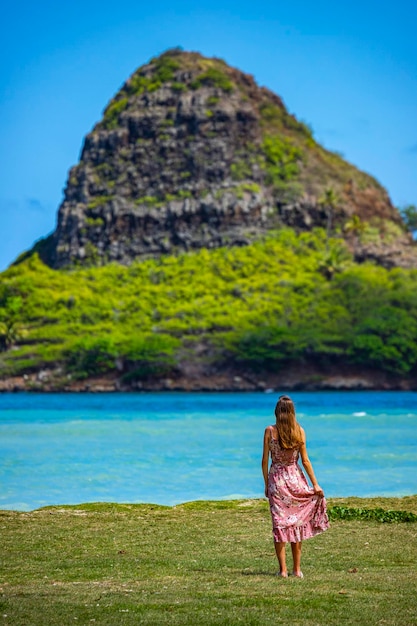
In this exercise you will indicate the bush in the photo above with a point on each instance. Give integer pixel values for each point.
(112, 113)
(281, 160)
(259, 306)
(377, 515)
(213, 77)
(91, 357)
(387, 339)
(163, 72)
(148, 356)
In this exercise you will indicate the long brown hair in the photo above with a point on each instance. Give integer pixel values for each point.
(288, 429)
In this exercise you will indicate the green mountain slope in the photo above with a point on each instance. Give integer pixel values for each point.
(253, 312)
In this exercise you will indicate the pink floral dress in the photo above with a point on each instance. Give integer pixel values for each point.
(297, 513)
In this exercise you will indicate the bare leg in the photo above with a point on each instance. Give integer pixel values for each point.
(280, 551)
(296, 557)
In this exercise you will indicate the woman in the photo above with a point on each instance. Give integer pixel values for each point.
(297, 510)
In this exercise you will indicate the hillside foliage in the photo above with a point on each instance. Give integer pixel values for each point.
(259, 307)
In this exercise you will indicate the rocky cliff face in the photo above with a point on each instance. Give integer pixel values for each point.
(191, 153)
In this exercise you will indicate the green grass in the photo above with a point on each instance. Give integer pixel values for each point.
(201, 563)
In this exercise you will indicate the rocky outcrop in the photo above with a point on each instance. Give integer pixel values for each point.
(192, 153)
(311, 378)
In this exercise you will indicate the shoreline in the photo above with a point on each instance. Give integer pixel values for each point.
(108, 390)
(294, 378)
(408, 502)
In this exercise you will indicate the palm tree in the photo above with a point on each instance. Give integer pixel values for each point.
(329, 201)
(334, 260)
(357, 227)
(10, 329)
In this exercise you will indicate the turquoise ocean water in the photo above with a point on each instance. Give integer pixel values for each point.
(168, 448)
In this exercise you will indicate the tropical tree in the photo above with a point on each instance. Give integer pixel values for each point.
(10, 328)
(356, 227)
(329, 201)
(334, 260)
(409, 215)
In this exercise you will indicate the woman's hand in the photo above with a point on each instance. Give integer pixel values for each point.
(266, 491)
(318, 490)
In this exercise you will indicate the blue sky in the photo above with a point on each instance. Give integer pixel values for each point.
(347, 69)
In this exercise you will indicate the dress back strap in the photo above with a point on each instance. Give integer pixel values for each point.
(272, 431)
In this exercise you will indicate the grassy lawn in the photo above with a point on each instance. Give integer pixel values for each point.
(201, 563)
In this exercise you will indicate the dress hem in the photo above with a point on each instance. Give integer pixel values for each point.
(294, 534)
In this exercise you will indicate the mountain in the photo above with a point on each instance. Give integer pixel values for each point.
(206, 241)
(191, 154)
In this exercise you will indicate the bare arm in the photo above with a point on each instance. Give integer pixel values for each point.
(308, 467)
(265, 458)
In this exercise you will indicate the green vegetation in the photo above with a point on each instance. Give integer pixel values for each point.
(319, 165)
(179, 86)
(329, 201)
(409, 215)
(276, 118)
(291, 123)
(98, 201)
(282, 159)
(143, 357)
(184, 193)
(112, 113)
(94, 222)
(73, 176)
(163, 71)
(239, 190)
(212, 100)
(283, 300)
(282, 146)
(92, 256)
(253, 187)
(167, 123)
(10, 311)
(356, 227)
(151, 201)
(213, 77)
(201, 563)
(240, 170)
(292, 161)
(271, 113)
(377, 514)
(165, 68)
(158, 201)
